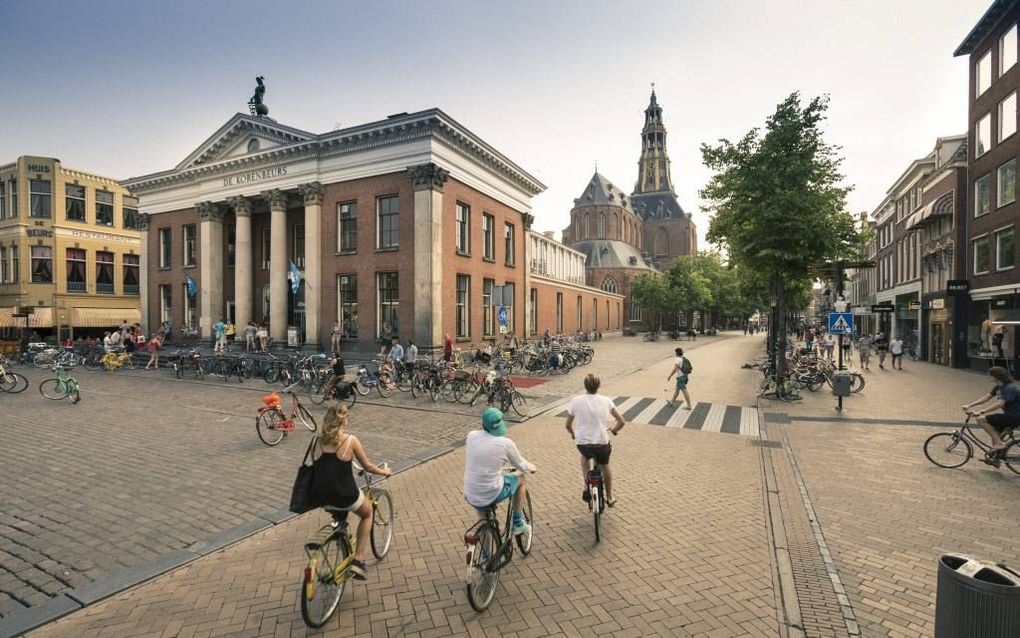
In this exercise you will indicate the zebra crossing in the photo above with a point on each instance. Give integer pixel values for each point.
(707, 417)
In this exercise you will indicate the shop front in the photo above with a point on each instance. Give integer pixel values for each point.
(989, 343)
(907, 319)
(938, 314)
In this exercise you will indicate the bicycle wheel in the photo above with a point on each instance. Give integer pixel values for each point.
(382, 523)
(91, 362)
(271, 374)
(306, 418)
(404, 381)
(948, 449)
(318, 398)
(350, 399)
(596, 508)
(266, 424)
(361, 388)
(856, 382)
(54, 389)
(320, 591)
(13, 383)
(382, 386)
(178, 369)
(1011, 457)
(450, 391)
(483, 570)
(524, 540)
(75, 394)
(519, 403)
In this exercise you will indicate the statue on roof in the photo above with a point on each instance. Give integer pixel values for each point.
(255, 104)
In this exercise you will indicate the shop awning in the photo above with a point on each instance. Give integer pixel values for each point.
(41, 317)
(104, 317)
(941, 206)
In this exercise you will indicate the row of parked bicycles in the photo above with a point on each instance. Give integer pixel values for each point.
(802, 370)
(62, 386)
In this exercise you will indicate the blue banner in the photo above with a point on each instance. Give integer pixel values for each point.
(295, 278)
(192, 287)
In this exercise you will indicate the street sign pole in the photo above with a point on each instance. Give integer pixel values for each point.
(839, 399)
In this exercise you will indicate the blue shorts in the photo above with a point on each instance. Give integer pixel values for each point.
(510, 483)
(681, 381)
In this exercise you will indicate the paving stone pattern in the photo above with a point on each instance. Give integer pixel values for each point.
(684, 553)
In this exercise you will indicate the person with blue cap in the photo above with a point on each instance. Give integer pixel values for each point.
(485, 483)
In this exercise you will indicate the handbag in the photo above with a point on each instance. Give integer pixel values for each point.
(301, 500)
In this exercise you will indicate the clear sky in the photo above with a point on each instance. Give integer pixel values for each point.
(124, 88)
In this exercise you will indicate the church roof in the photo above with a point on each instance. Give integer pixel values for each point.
(660, 205)
(601, 192)
(609, 253)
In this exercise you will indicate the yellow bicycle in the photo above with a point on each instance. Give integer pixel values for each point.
(331, 551)
(113, 360)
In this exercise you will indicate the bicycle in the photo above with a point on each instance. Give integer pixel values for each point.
(113, 360)
(954, 449)
(490, 549)
(342, 391)
(10, 381)
(272, 425)
(331, 552)
(597, 502)
(61, 387)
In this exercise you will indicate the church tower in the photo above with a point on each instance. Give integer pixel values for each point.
(653, 167)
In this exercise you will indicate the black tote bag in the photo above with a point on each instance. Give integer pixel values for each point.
(301, 499)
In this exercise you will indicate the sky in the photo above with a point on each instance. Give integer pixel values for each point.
(126, 88)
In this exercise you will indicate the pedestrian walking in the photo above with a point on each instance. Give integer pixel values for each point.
(220, 332)
(263, 335)
(882, 346)
(828, 343)
(896, 349)
(335, 337)
(231, 331)
(681, 369)
(153, 346)
(249, 336)
(864, 351)
(809, 340)
(447, 348)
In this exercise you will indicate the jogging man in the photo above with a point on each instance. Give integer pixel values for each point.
(590, 412)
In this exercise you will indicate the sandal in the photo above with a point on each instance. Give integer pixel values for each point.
(610, 502)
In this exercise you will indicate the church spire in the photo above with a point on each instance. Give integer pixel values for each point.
(653, 167)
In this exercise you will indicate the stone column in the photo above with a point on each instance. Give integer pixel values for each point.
(143, 272)
(242, 262)
(428, 180)
(278, 266)
(312, 193)
(210, 261)
(523, 329)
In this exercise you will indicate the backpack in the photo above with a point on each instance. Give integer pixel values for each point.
(685, 366)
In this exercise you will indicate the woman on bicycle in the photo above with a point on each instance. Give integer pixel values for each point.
(1007, 396)
(333, 481)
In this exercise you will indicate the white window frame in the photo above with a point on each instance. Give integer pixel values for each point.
(1004, 46)
(974, 260)
(351, 221)
(999, 201)
(462, 308)
(488, 237)
(999, 233)
(189, 252)
(166, 303)
(984, 123)
(985, 59)
(1006, 114)
(977, 195)
(166, 242)
(462, 220)
(378, 223)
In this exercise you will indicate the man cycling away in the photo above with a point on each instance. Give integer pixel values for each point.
(590, 411)
(485, 484)
(1007, 396)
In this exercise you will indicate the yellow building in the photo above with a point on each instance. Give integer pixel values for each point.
(69, 249)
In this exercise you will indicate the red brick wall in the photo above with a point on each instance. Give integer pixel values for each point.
(546, 314)
(176, 275)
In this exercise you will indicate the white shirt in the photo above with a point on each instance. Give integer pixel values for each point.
(591, 412)
(896, 347)
(483, 467)
(412, 354)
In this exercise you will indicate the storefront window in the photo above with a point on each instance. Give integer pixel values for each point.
(987, 342)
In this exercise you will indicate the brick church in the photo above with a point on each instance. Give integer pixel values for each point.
(623, 236)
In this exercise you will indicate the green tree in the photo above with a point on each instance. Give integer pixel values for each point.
(778, 204)
(690, 284)
(652, 293)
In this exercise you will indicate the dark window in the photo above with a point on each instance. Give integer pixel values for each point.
(463, 306)
(74, 202)
(488, 237)
(104, 208)
(76, 270)
(130, 212)
(508, 237)
(3, 202)
(347, 221)
(165, 246)
(534, 311)
(166, 302)
(463, 228)
(104, 272)
(40, 198)
(299, 245)
(348, 302)
(389, 304)
(42, 265)
(131, 279)
(190, 239)
(14, 198)
(559, 312)
(389, 218)
(487, 308)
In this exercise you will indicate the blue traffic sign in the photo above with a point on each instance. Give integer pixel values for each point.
(502, 315)
(841, 323)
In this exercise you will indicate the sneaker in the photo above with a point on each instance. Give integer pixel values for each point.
(586, 495)
(520, 528)
(358, 569)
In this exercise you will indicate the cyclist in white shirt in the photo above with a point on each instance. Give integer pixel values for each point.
(589, 412)
(486, 452)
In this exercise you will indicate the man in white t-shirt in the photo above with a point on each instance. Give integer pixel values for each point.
(681, 368)
(485, 484)
(896, 350)
(589, 413)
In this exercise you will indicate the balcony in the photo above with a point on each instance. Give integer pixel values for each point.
(131, 289)
(77, 286)
(104, 289)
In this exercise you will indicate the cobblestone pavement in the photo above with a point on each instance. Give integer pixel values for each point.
(147, 466)
(683, 553)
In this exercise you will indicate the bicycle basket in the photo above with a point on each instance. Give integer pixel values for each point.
(272, 400)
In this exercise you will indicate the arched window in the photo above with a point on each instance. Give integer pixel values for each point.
(609, 284)
(602, 226)
(615, 227)
(587, 226)
(253, 145)
(661, 246)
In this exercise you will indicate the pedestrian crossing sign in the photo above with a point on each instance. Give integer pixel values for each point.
(841, 323)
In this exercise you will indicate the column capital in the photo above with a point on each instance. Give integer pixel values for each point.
(312, 193)
(277, 199)
(428, 176)
(241, 206)
(142, 221)
(528, 219)
(209, 212)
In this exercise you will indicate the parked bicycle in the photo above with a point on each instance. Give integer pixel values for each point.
(331, 552)
(272, 424)
(63, 386)
(10, 381)
(954, 449)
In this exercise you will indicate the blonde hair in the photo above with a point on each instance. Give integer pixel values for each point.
(335, 421)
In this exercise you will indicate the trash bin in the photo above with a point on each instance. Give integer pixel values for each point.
(976, 599)
(841, 384)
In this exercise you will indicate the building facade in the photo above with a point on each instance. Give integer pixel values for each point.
(70, 249)
(992, 209)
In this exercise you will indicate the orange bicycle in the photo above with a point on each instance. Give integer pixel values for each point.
(272, 424)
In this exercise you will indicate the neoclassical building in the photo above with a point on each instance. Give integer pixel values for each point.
(625, 235)
(410, 227)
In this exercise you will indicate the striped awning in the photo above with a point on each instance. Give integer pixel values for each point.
(941, 206)
(104, 317)
(41, 317)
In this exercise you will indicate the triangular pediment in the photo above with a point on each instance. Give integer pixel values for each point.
(233, 139)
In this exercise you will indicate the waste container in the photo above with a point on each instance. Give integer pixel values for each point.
(976, 599)
(841, 384)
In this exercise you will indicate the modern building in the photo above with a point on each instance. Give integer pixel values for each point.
(70, 249)
(411, 227)
(992, 209)
(623, 236)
